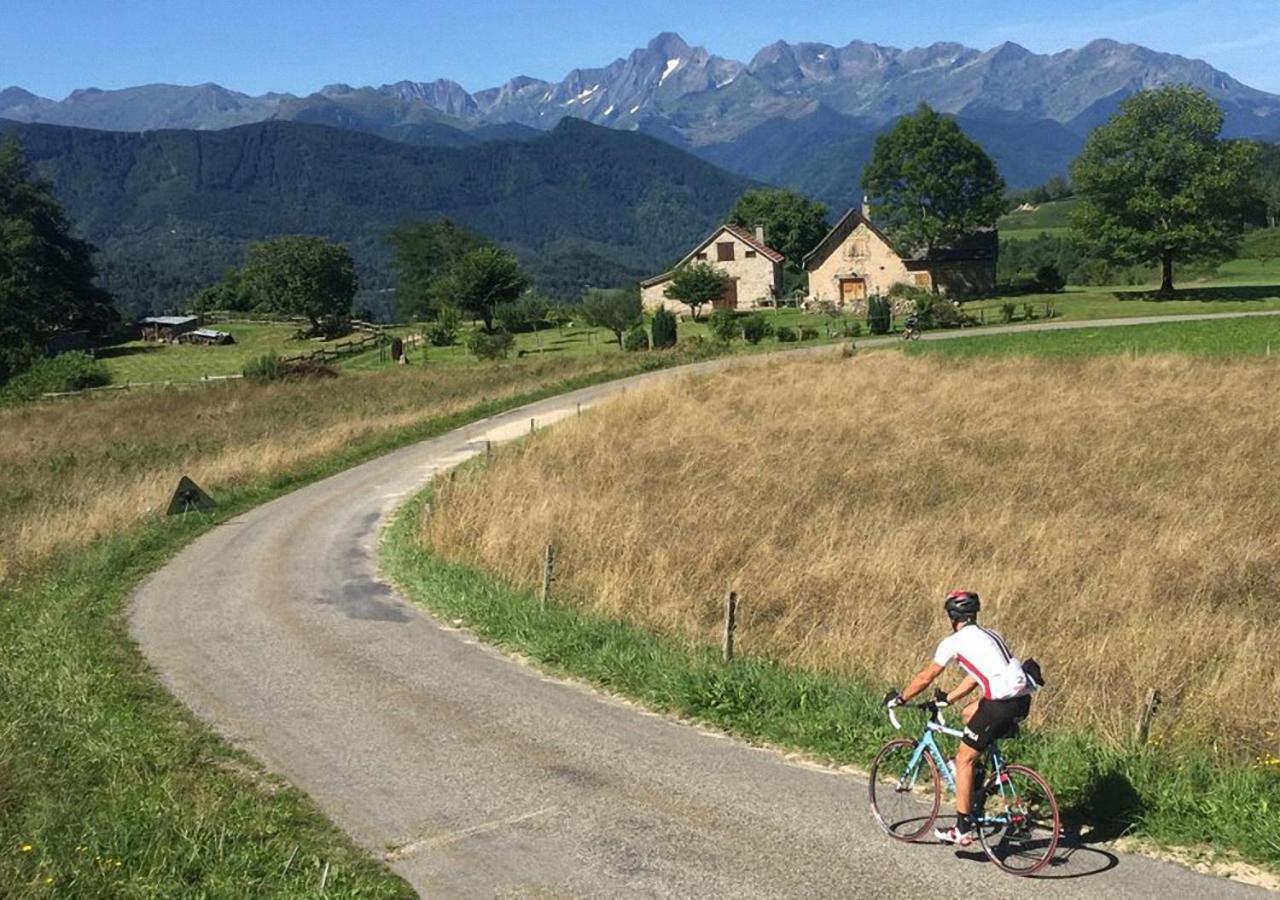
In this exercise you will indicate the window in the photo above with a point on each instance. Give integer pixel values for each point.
(702, 255)
(858, 248)
(724, 251)
(750, 254)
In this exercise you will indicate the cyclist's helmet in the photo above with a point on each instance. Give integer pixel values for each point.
(962, 605)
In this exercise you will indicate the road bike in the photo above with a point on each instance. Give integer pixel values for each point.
(910, 332)
(1014, 808)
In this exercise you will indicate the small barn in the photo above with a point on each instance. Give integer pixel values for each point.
(206, 336)
(754, 269)
(167, 328)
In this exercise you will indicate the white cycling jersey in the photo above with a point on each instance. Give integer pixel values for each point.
(983, 654)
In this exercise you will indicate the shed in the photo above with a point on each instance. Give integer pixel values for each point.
(167, 328)
(207, 336)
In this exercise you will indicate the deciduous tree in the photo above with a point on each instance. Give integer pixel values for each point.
(302, 275)
(697, 285)
(480, 280)
(616, 310)
(793, 224)
(1157, 185)
(929, 184)
(47, 276)
(424, 252)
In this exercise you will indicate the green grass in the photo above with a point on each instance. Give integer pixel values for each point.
(117, 790)
(1051, 217)
(1224, 338)
(1171, 795)
(144, 361)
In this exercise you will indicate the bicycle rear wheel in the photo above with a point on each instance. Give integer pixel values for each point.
(1021, 826)
(905, 800)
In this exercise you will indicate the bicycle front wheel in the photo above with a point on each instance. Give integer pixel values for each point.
(1020, 825)
(915, 334)
(904, 798)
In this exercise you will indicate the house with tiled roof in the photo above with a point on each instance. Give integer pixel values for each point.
(856, 261)
(754, 269)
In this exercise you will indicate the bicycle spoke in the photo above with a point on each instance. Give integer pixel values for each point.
(1021, 825)
(904, 798)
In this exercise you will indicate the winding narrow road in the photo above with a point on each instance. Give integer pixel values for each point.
(476, 776)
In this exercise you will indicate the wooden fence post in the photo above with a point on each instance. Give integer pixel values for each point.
(548, 566)
(730, 624)
(1143, 731)
(488, 449)
(531, 425)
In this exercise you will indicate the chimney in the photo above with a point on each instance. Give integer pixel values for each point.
(866, 207)
(760, 234)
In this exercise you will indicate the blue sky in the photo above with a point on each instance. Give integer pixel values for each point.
(54, 46)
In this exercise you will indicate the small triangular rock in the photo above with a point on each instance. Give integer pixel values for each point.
(188, 497)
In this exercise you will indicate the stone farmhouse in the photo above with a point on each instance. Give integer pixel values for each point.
(755, 270)
(856, 261)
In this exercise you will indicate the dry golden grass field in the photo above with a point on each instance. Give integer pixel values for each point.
(76, 470)
(1120, 517)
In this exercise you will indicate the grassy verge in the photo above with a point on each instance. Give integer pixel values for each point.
(1222, 339)
(1172, 795)
(108, 788)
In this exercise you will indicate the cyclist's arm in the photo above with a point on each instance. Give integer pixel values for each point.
(922, 681)
(962, 689)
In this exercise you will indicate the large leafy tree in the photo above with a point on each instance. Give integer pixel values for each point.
(697, 285)
(424, 252)
(302, 275)
(480, 281)
(617, 310)
(930, 184)
(46, 274)
(793, 224)
(1266, 184)
(1157, 185)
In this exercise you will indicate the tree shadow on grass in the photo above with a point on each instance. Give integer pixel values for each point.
(1248, 292)
(127, 350)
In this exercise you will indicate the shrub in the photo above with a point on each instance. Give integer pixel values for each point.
(73, 371)
(808, 334)
(943, 313)
(495, 344)
(1049, 279)
(851, 328)
(268, 367)
(443, 332)
(879, 315)
(756, 328)
(1006, 312)
(664, 329)
(724, 325)
(1029, 311)
(786, 335)
(637, 339)
(903, 291)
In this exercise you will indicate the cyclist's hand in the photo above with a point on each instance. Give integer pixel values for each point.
(892, 699)
(940, 698)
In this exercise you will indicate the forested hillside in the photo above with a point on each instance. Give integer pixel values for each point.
(171, 210)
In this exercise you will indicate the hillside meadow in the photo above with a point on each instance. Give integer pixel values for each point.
(1120, 516)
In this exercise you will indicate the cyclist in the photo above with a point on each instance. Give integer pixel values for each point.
(912, 324)
(1006, 697)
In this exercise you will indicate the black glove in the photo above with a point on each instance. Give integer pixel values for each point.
(893, 698)
(940, 698)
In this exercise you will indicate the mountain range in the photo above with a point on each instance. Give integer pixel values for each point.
(804, 114)
(171, 210)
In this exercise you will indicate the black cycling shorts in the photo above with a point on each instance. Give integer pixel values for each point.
(994, 719)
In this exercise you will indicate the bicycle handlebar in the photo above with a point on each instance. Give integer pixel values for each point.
(932, 708)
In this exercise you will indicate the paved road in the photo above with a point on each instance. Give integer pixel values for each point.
(477, 776)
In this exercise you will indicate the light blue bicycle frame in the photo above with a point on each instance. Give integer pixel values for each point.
(928, 744)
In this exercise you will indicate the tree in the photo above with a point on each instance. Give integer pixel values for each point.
(302, 275)
(1156, 185)
(616, 310)
(793, 225)
(479, 281)
(1266, 184)
(47, 276)
(930, 185)
(664, 329)
(424, 252)
(696, 285)
(1262, 245)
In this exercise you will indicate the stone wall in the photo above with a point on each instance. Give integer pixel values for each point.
(757, 277)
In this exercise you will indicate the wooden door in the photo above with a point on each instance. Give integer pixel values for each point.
(730, 298)
(852, 289)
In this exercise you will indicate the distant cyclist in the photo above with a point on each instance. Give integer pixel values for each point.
(1006, 697)
(911, 328)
